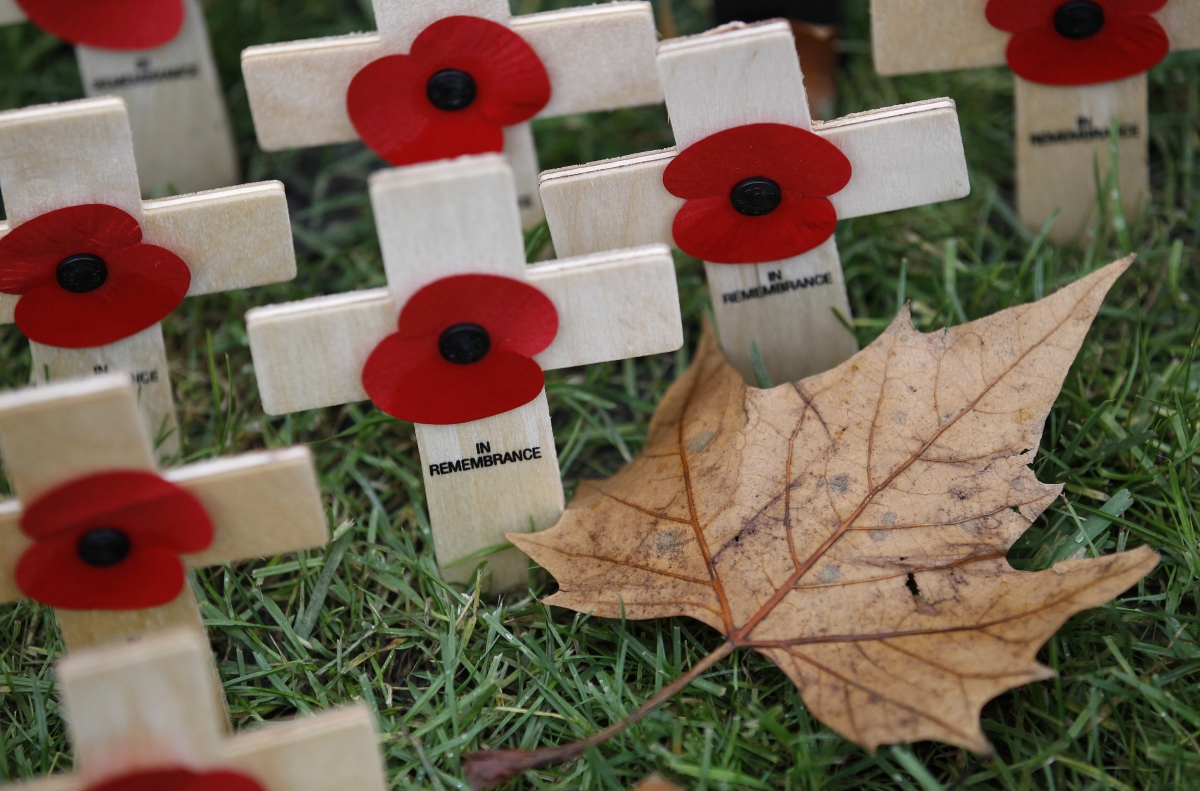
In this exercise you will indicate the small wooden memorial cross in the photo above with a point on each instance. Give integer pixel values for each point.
(100, 535)
(146, 715)
(336, 90)
(1084, 71)
(87, 269)
(477, 328)
(169, 80)
(745, 139)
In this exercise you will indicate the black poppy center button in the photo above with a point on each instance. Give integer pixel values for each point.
(464, 344)
(451, 90)
(1079, 19)
(103, 547)
(82, 273)
(756, 196)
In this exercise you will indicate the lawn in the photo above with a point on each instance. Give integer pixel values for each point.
(449, 671)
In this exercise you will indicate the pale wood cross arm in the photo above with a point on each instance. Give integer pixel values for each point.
(152, 705)
(598, 57)
(445, 219)
(914, 36)
(311, 354)
(903, 156)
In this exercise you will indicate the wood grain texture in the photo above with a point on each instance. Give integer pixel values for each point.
(804, 339)
(598, 57)
(265, 503)
(732, 76)
(142, 356)
(181, 131)
(903, 156)
(54, 156)
(51, 435)
(521, 151)
(914, 36)
(471, 511)
(231, 239)
(452, 218)
(10, 13)
(261, 504)
(58, 155)
(310, 354)
(1062, 138)
(154, 703)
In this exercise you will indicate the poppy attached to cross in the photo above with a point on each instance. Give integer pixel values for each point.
(755, 189)
(145, 716)
(446, 78)
(1080, 69)
(457, 344)
(156, 55)
(105, 538)
(87, 270)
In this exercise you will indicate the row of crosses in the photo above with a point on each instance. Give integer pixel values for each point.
(456, 343)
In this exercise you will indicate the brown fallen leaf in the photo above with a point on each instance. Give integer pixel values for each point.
(852, 527)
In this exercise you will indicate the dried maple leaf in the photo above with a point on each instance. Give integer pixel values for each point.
(852, 527)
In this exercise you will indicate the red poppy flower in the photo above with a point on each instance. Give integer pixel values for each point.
(108, 24)
(1080, 42)
(86, 279)
(464, 80)
(110, 541)
(463, 351)
(756, 193)
(179, 780)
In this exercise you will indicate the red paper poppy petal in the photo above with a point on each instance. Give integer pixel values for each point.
(1122, 50)
(512, 83)
(410, 381)
(145, 283)
(179, 780)
(388, 107)
(711, 230)
(1017, 15)
(144, 505)
(518, 317)
(108, 24)
(31, 252)
(801, 162)
(158, 780)
(52, 573)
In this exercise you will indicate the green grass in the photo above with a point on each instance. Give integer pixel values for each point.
(369, 619)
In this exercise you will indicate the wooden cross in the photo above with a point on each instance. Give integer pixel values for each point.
(261, 504)
(746, 74)
(1062, 132)
(78, 153)
(598, 57)
(151, 706)
(181, 131)
(451, 218)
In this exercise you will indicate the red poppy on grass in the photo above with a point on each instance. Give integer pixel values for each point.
(108, 24)
(463, 351)
(463, 81)
(756, 193)
(1080, 42)
(179, 780)
(110, 541)
(86, 279)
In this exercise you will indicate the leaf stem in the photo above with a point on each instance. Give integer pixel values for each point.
(492, 768)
